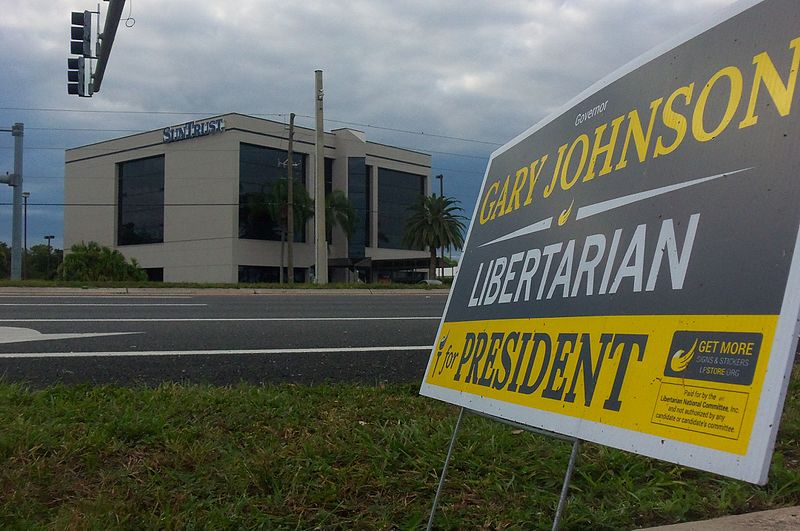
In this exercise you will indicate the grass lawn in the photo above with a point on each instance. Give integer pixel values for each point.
(329, 457)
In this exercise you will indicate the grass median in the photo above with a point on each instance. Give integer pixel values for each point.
(329, 457)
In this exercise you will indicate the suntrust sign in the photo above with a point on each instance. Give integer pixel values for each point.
(632, 275)
(193, 130)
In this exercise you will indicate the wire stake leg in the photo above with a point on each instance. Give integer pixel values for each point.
(444, 470)
(576, 444)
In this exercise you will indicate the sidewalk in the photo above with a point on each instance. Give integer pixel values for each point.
(777, 519)
(63, 291)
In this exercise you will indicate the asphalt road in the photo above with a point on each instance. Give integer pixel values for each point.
(302, 337)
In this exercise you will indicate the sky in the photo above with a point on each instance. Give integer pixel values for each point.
(453, 78)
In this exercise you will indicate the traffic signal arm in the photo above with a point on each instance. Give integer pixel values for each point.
(106, 40)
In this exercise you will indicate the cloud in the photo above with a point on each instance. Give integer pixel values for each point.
(469, 69)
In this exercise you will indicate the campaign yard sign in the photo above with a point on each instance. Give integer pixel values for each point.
(631, 275)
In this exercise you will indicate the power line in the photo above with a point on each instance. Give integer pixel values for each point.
(434, 169)
(177, 113)
(159, 205)
(107, 111)
(90, 148)
(88, 129)
(151, 205)
(421, 133)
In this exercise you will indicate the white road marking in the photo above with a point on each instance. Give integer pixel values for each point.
(117, 305)
(23, 335)
(315, 350)
(119, 296)
(220, 319)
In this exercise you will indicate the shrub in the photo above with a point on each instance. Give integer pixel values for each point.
(92, 262)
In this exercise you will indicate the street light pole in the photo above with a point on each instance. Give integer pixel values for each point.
(49, 237)
(25, 196)
(441, 194)
(290, 202)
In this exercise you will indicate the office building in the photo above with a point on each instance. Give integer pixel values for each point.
(192, 202)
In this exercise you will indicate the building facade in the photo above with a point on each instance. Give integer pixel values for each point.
(195, 202)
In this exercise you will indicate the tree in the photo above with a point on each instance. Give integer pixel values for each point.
(42, 261)
(435, 222)
(91, 262)
(277, 207)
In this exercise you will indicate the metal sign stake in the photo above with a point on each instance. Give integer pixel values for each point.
(562, 502)
(576, 444)
(444, 470)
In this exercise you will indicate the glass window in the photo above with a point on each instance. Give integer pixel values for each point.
(260, 168)
(328, 190)
(397, 192)
(268, 274)
(154, 274)
(328, 177)
(367, 220)
(356, 193)
(140, 201)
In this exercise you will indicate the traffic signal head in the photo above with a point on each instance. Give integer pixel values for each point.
(81, 34)
(76, 77)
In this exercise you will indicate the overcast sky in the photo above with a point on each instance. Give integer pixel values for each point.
(478, 71)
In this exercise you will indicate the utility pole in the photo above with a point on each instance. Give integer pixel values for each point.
(15, 181)
(290, 201)
(320, 243)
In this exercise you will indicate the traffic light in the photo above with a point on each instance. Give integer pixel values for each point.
(76, 77)
(84, 77)
(80, 44)
(81, 33)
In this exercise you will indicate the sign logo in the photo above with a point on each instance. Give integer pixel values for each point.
(193, 130)
(681, 359)
(723, 357)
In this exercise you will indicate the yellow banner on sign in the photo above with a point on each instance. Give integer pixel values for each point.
(694, 379)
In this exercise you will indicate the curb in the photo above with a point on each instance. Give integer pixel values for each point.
(77, 292)
(777, 519)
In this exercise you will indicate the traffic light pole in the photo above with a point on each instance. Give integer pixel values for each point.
(15, 180)
(17, 131)
(106, 41)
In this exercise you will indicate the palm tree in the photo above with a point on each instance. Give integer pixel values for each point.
(277, 207)
(435, 222)
(339, 211)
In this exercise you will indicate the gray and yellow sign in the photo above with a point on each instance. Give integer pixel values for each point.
(630, 271)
